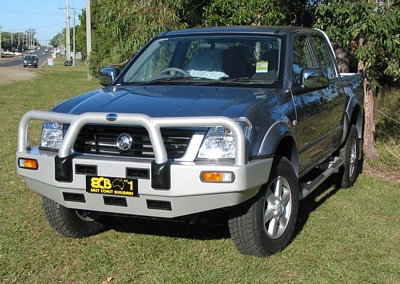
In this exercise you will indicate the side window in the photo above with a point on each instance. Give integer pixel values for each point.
(302, 57)
(323, 54)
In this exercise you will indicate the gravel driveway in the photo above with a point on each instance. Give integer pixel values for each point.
(11, 74)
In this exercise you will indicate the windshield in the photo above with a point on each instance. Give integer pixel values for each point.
(208, 59)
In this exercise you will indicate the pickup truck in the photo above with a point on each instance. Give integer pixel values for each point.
(238, 121)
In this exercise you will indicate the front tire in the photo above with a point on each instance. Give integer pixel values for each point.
(265, 224)
(73, 223)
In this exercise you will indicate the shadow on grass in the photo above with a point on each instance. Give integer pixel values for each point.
(214, 225)
(318, 197)
(312, 202)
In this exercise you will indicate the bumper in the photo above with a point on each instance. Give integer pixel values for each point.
(30, 63)
(185, 194)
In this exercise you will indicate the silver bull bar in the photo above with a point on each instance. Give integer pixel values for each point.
(152, 125)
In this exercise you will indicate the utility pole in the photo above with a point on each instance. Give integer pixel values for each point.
(67, 33)
(73, 38)
(0, 42)
(28, 34)
(88, 34)
(29, 37)
(68, 38)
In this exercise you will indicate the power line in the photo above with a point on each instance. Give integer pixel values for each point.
(389, 117)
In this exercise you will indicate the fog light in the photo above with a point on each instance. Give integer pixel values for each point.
(222, 177)
(28, 164)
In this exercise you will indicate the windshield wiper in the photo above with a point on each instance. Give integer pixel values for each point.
(250, 80)
(172, 78)
(240, 79)
(175, 79)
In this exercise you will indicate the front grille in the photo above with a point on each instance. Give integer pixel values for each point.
(102, 140)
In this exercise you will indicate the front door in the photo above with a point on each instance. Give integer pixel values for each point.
(312, 109)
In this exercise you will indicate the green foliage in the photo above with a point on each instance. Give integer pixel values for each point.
(56, 40)
(371, 30)
(388, 116)
(257, 12)
(388, 132)
(121, 28)
(9, 41)
(231, 12)
(389, 156)
(80, 33)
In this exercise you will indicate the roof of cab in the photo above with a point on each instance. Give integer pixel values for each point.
(281, 30)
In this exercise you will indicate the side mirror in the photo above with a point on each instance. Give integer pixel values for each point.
(108, 75)
(312, 80)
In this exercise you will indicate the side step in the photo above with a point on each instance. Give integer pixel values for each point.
(307, 188)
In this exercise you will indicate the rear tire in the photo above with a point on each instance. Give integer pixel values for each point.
(265, 224)
(73, 223)
(349, 171)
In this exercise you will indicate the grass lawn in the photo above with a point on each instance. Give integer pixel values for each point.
(343, 236)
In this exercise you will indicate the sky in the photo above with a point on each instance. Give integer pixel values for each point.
(47, 17)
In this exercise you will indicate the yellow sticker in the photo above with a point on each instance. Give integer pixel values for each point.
(262, 67)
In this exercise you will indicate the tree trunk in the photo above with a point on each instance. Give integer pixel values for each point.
(370, 107)
(343, 59)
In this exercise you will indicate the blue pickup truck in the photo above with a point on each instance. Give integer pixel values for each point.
(241, 121)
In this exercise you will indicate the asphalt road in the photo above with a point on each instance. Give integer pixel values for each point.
(17, 61)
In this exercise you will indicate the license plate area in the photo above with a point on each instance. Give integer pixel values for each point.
(112, 186)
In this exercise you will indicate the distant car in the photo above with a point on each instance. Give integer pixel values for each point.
(31, 60)
(44, 52)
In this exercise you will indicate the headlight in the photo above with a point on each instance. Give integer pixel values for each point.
(219, 141)
(52, 135)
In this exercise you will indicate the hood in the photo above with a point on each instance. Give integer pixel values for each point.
(165, 101)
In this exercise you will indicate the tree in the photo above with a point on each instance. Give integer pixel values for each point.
(56, 40)
(5, 41)
(121, 27)
(30, 36)
(370, 29)
(259, 12)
